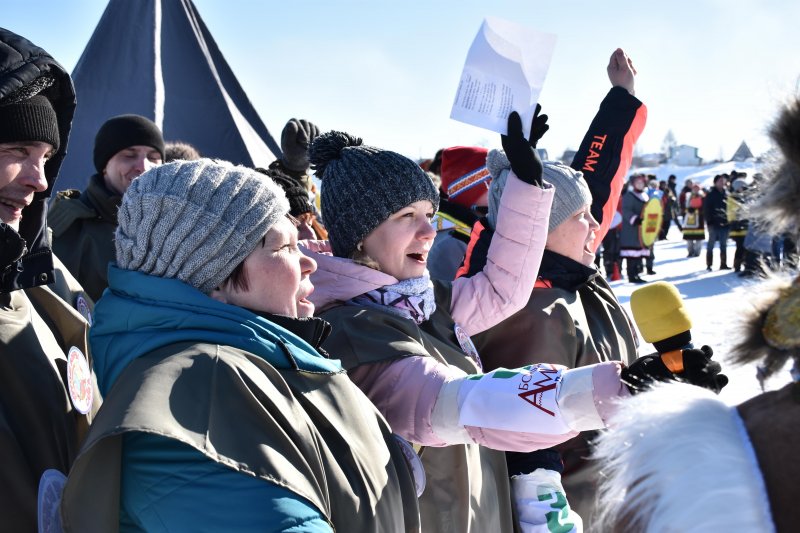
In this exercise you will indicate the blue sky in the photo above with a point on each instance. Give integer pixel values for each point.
(712, 71)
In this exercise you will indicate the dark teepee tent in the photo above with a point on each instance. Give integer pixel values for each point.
(742, 153)
(156, 58)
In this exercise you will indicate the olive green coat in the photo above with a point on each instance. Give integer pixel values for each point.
(312, 432)
(39, 427)
(83, 225)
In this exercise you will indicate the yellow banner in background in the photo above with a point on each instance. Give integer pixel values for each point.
(652, 212)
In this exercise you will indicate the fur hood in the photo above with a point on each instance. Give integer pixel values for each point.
(679, 459)
(770, 326)
(753, 344)
(775, 204)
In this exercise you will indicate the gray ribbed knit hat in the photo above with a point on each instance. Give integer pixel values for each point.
(195, 220)
(571, 194)
(362, 186)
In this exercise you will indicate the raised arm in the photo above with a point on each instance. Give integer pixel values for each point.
(606, 152)
(503, 286)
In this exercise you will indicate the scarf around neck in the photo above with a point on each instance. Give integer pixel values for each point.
(411, 298)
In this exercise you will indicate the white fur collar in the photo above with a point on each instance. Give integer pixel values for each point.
(678, 459)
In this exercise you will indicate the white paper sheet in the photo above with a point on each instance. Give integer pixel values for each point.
(505, 71)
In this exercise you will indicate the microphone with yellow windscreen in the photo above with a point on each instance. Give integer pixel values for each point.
(663, 321)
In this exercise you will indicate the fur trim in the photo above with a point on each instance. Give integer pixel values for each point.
(786, 131)
(775, 205)
(679, 459)
(773, 208)
(752, 346)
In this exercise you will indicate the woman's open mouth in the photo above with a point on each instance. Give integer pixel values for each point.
(419, 257)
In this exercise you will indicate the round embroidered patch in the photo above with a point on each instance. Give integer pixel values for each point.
(79, 381)
(83, 308)
(467, 345)
(51, 485)
(414, 463)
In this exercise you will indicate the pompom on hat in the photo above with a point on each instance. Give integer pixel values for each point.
(362, 186)
(195, 220)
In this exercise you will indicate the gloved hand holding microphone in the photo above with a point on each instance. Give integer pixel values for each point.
(663, 321)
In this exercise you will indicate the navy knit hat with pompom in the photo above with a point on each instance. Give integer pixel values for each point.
(362, 186)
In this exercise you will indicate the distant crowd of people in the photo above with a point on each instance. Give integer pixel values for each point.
(194, 345)
(714, 215)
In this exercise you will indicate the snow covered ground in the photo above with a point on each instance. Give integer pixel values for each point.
(715, 301)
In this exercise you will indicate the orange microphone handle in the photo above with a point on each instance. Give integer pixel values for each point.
(673, 360)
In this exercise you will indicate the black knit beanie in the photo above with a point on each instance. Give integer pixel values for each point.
(296, 193)
(33, 119)
(122, 132)
(362, 186)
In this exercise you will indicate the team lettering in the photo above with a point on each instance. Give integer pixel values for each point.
(594, 152)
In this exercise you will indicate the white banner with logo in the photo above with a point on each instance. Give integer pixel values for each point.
(522, 400)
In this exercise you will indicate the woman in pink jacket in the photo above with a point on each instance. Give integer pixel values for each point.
(405, 338)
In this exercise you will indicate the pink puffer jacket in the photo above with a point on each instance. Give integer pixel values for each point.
(406, 390)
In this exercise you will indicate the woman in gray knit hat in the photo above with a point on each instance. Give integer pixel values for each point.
(220, 413)
(405, 339)
(572, 317)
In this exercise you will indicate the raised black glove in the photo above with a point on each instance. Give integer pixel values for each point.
(637, 221)
(521, 152)
(296, 136)
(694, 367)
(539, 126)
